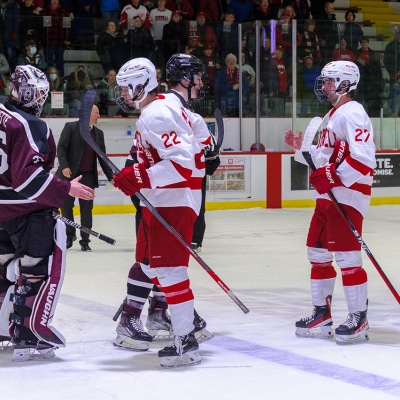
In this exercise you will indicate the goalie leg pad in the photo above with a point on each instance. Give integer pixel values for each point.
(36, 295)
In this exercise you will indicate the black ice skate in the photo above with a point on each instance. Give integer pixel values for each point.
(131, 334)
(201, 332)
(319, 324)
(354, 329)
(158, 323)
(183, 352)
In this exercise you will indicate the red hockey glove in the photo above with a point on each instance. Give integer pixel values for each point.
(131, 179)
(325, 178)
(340, 152)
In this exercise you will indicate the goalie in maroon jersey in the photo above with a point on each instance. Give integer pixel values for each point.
(32, 243)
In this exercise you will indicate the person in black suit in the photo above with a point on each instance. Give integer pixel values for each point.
(77, 158)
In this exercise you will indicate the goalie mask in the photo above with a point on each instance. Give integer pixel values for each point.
(345, 75)
(30, 87)
(187, 68)
(135, 77)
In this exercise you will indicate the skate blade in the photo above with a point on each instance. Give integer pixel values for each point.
(5, 344)
(161, 335)
(30, 354)
(344, 340)
(128, 343)
(203, 335)
(187, 359)
(319, 332)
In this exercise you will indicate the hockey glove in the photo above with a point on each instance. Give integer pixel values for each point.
(212, 164)
(325, 178)
(340, 152)
(131, 179)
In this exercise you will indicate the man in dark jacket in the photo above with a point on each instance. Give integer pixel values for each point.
(77, 158)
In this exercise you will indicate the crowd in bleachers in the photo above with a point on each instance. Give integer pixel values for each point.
(38, 32)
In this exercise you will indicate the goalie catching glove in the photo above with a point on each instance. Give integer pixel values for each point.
(131, 179)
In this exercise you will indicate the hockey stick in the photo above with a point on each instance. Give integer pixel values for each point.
(87, 104)
(305, 150)
(67, 221)
(220, 138)
(220, 127)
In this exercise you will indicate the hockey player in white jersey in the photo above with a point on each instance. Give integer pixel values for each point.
(169, 174)
(344, 157)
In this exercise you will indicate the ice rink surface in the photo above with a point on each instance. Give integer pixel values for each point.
(260, 254)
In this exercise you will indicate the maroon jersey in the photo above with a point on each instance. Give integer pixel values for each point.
(27, 153)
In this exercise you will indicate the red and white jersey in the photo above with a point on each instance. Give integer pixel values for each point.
(170, 139)
(349, 123)
(159, 18)
(129, 12)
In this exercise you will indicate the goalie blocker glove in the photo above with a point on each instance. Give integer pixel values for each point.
(131, 179)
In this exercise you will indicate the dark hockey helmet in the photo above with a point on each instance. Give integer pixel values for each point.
(30, 87)
(187, 67)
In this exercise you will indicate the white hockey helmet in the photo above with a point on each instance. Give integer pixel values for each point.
(138, 76)
(29, 85)
(345, 75)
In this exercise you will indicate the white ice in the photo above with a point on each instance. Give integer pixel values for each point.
(260, 255)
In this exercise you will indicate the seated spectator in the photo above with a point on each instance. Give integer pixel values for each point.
(249, 73)
(30, 56)
(183, 7)
(105, 94)
(129, 12)
(274, 6)
(83, 22)
(193, 46)
(110, 10)
(206, 33)
(307, 74)
(110, 47)
(276, 86)
(55, 36)
(31, 22)
(175, 36)
(214, 9)
(4, 70)
(227, 37)
(227, 87)
(352, 31)
(343, 53)
(56, 85)
(209, 59)
(159, 17)
(301, 11)
(284, 36)
(242, 9)
(77, 83)
(162, 84)
(310, 43)
(140, 41)
(262, 11)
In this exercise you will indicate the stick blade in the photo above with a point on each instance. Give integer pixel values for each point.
(309, 134)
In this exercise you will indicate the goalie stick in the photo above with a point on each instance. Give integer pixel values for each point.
(67, 221)
(305, 150)
(85, 110)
